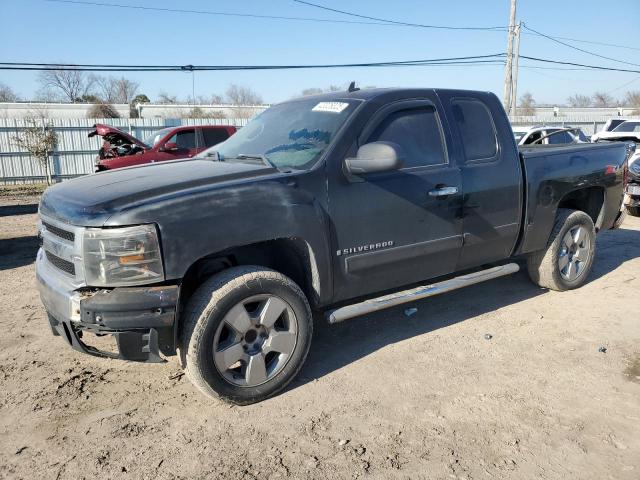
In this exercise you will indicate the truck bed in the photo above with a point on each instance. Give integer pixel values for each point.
(553, 171)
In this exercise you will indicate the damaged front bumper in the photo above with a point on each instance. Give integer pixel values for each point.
(141, 319)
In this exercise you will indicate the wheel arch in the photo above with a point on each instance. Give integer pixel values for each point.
(293, 257)
(590, 200)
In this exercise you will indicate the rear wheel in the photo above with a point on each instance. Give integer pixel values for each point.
(247, 334)
(566, 262)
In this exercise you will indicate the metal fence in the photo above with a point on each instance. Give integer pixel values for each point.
(589, 124)
(76, 152)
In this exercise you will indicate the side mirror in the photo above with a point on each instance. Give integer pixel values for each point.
(169, 147)
(376, 157)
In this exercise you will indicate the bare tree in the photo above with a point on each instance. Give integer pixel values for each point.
(632, 99)
(164, 97)
(7, 94)
(198, 112)
(239, 95)
(311, 91)
(102, 110)
(38, 139)
(117, 90)
(603, 99)
(527, 105)
(316, 90)
(578, 101)
(70, 85)
(243, 96)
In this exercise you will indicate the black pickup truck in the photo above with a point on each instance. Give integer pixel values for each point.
(343, 203)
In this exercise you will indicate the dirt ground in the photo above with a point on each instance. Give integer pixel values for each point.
(384, 396)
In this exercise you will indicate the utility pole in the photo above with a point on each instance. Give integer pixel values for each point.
(508, 69)
(516, 69)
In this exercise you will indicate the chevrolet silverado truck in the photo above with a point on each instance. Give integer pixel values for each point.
(340, 204)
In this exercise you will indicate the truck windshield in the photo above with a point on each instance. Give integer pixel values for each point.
(290, 135)
(628, 127)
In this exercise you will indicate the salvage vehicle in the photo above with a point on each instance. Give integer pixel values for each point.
(632, 197)
(343, 204)
(628, 130)
(121, 149)
(549, 135)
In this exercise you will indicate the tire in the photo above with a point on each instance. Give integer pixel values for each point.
(234, 315)
(633, 211)
(564, 265)
(620, 219)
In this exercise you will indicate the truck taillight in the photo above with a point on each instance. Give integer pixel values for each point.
(610, 170)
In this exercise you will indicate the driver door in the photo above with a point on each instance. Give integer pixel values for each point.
(398, 227)
(182, 144)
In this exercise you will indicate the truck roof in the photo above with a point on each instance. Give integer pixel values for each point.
(375, 93)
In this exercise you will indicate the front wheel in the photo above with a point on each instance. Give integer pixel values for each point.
(247, 332)
(567, 260)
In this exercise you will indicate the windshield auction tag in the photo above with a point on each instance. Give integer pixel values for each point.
(332, 107)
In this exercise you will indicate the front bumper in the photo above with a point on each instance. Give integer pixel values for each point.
(141, 319)
(632, 195)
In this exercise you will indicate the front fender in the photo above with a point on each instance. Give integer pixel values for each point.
(200, 224)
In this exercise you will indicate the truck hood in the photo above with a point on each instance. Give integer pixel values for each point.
(92, 199)
(115, 136)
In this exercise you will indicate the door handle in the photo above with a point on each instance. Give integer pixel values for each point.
(443, 191)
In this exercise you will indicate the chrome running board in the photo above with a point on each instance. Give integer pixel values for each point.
(380, 303)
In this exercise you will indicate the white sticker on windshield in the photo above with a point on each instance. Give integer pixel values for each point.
(333, 107)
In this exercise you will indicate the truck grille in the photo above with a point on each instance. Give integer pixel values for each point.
(60, 263)
(59, 232)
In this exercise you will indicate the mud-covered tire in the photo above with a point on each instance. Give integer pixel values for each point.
(544, 266)
(207, 313)
(633, 211)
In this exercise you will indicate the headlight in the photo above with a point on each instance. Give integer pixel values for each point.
(635, 165)
(116, 257)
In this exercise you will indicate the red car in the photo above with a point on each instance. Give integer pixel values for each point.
(123, 150)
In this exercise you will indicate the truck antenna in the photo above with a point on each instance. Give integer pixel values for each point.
(352, 87)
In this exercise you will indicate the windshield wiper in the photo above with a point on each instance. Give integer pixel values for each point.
(262, 157)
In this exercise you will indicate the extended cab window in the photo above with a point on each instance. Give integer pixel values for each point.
(184, 139)
(214, 136)
(476, 128)
(419, 134)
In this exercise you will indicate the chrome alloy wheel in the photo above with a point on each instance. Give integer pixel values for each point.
(574, 253)
(255, 340)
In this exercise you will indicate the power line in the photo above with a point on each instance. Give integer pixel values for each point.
(624, 85)
(553, 39)
(395, 22)
(206, 12)
(234, 14)
(454, 61)
(594, 67)
(381, 22)
(615, 45)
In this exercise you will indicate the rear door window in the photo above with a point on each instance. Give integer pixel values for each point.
(476, 127)
(214, 136)
(418, 132)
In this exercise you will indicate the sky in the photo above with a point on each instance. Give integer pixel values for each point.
(44, 31)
